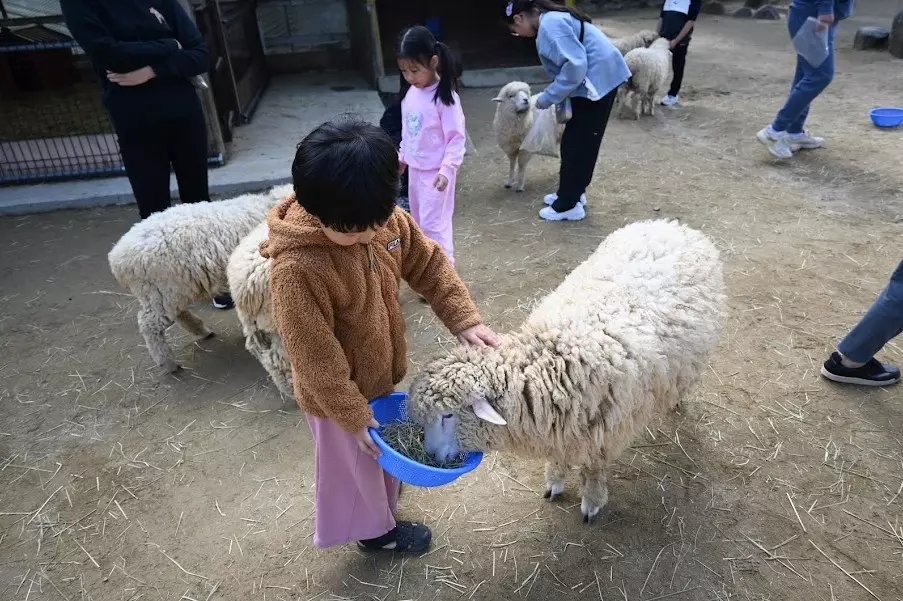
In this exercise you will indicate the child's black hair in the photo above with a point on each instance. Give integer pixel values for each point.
(345, 174)
(515, 7)
(418, 44)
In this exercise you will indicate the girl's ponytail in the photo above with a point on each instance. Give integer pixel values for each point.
(418, 44)
(449, 72)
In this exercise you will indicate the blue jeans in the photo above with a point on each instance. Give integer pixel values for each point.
(808, 82)
(883, 321)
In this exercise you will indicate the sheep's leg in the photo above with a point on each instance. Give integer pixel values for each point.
(523, 158)
(152, 326)
(512, 165)
(595, 489)
(193, 324)
(556, 472)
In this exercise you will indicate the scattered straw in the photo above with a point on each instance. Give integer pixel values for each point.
(839, 567)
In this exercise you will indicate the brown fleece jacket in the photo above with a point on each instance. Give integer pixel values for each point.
(337, 310)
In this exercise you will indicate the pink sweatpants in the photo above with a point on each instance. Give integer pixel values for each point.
(355, 499)
(432, 209)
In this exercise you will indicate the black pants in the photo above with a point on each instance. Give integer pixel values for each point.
(150, 149)
(679, 62)
(580, 146)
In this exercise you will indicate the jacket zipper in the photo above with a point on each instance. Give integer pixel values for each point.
(372, 259)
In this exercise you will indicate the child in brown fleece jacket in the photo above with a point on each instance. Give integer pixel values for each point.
(339, 249)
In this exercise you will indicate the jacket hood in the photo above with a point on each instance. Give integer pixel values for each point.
(291, 228)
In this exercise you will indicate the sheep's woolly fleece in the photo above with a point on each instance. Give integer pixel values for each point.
(651, 70)
(625, 335)
(178, 257)
(640, 39)
(249, 282)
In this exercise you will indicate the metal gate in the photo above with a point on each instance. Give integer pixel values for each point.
(53, 124)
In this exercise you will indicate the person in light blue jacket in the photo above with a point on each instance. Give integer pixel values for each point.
(787, 133)
(586, 68)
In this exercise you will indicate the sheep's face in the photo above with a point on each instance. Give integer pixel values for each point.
(451, 400)
(648, 37)
(516, 95)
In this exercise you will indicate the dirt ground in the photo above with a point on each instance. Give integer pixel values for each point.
(119, 483)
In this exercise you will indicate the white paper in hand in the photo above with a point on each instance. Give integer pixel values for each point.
(811, 44)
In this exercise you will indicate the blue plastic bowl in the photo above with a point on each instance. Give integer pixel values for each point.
(393, 408)
(887, 116)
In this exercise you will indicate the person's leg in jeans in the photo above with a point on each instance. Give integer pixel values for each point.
(679, 62)
(146, 159)
(188, 153)
(855, 362)
(580, 146)
(786, 134)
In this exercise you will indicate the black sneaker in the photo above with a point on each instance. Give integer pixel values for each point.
(406, 537)
(223, 302)
(873, 373)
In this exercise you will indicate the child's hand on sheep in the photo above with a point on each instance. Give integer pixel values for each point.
(441, 183)
(480, 336)
(365, 441)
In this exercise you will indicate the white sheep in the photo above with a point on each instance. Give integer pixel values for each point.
(178, 257)
(513, 120)
(640, 39)
(249, 280)
(650, 70)
(624, 337)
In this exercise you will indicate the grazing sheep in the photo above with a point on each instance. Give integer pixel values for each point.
(651, 71)
(249, 280)
(624, 337)
(512, 122)
(178, 257)
(640, 39)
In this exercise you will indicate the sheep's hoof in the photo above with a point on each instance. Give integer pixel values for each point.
(171, 367)
(509, 186)
(589, 511)
(208, 336)
(554, 491)
(519, 190)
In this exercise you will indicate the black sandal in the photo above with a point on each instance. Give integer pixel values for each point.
(406, 537)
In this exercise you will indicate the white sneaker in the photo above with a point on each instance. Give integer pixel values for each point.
(575, 214)
(551, 198)
(806, 141)
(670, 100)
(777, 142)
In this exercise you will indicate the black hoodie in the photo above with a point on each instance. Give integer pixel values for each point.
(126, 35)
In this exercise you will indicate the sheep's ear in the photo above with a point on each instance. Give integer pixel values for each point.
(485, 411)
(497, 99)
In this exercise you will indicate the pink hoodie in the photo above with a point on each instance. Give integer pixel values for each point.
(432, 134)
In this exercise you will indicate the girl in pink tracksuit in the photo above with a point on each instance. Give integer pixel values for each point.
(433, 137)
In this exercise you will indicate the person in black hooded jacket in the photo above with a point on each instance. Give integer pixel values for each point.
(146, 53)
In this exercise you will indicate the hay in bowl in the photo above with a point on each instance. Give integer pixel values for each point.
(391, 412)
(408, 439)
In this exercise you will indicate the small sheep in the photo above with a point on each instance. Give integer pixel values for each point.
(624, 337)
(512, 122)
(651, 70)
(640, 39)
(249, 280)
(178, 257)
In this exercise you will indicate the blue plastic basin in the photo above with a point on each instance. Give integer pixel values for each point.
(887, 116)
(393, 408)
